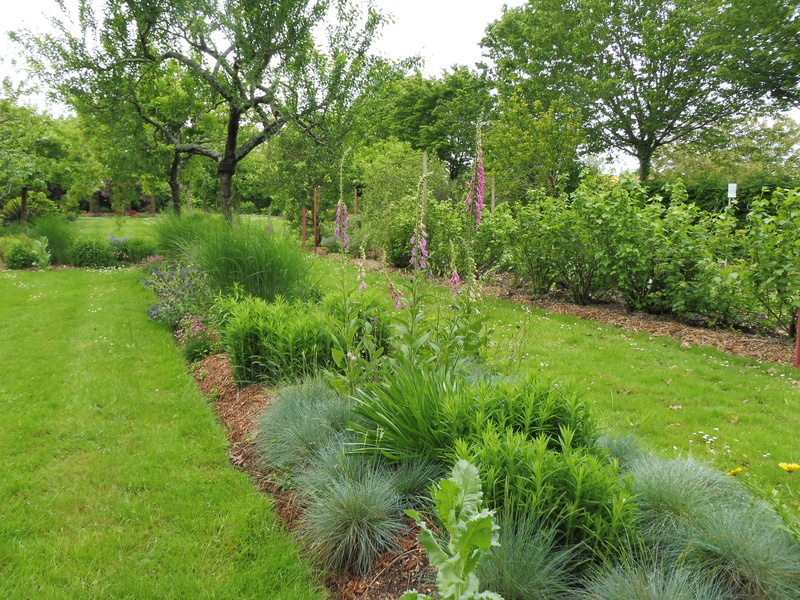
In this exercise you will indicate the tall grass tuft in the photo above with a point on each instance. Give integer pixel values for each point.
(262, 263)
(56, 229)
(528, 564)
(352, 521)
(633, 580)
(301, 422)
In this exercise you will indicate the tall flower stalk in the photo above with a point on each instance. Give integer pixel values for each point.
(477, 185)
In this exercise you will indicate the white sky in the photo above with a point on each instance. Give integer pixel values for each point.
(443, 32)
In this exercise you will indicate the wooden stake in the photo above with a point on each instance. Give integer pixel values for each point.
(314, 217)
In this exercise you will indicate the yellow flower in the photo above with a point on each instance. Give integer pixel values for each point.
(734, 471)
(789, 466)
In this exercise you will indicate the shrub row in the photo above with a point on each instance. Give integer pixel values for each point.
(613, 240)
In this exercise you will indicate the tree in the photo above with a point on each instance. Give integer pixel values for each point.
(761, 39)
(437, 114)
(530, 147)
(247, 62)
(29, 149)
(644, 73)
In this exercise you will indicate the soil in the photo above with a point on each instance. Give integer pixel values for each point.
(406, 567)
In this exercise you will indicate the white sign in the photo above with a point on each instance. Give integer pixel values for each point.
(731, 190)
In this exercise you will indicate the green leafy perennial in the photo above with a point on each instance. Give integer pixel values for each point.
(472, 534)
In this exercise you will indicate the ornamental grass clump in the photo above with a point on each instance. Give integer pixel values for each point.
(303, 420)
(645, 580)
(352, 521)
(529, 564)
(263, 264)
(56, 230)
(700, 518)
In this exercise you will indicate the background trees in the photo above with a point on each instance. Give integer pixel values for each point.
(644, 73)
(253, 66)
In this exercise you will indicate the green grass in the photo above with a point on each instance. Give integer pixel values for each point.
(102, 227)
(115, 481)
(654, 388)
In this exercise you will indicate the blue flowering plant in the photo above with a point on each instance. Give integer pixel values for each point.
(180, 290)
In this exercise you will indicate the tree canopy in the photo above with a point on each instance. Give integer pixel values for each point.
(247, 64)
(644, 73)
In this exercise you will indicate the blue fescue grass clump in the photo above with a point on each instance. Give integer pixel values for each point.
(700, 518)
(261, 262)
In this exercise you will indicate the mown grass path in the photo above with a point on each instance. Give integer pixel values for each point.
(114, 478)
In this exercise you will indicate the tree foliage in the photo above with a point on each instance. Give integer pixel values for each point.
(644, 72)
(249, 66)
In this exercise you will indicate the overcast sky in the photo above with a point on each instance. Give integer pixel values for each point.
(443, 32)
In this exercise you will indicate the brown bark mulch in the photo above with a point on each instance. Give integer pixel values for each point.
(238, 409)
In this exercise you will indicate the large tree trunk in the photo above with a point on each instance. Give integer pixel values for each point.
(174, 183)
(227, 165)
(645, 156)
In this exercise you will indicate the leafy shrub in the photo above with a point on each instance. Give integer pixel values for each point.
(180, 291)
(56, 230)
(773, 247)
(574, 489)
(132, 250)
(91, 253)
(277, 342)
(20, 255)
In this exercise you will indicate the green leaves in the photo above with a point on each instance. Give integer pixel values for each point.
(472, 533)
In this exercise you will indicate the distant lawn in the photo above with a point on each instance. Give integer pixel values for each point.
(114, 476)
(122, 226)
(682, 401)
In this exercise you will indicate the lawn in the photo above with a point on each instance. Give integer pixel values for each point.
(115, 481)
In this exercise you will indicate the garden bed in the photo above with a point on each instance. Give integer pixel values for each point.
(238, 409)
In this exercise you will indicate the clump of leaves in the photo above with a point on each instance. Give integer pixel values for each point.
(472, 534)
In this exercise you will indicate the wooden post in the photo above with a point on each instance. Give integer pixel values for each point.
(303, 234)
(314, 217)
(797, 343)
